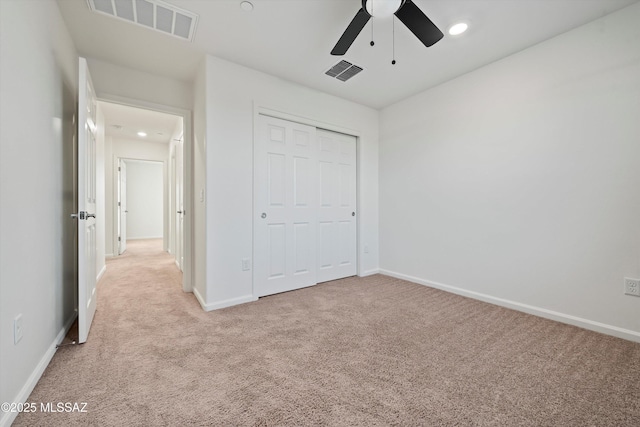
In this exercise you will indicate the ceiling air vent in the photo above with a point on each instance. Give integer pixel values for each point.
(343, 71)
(153, 14)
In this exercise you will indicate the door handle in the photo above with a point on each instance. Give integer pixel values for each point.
(82, 215)
(263, 216)
(179, 212)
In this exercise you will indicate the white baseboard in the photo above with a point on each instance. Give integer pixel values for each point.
(369, 273)
(104, 270)
(199, 298)
(222, 304)
(230, 302)
(6, 418)
(592, 325)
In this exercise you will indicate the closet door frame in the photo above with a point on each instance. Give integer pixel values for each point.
(265, 110)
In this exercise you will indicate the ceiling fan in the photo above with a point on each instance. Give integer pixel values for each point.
(405, 10)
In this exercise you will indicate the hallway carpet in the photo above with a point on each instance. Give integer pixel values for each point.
(370, 351)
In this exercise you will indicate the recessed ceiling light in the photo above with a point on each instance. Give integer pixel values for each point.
(142, 133)
(246, 6)
(458, 28)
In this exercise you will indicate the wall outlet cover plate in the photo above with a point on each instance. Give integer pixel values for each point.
(632, 286)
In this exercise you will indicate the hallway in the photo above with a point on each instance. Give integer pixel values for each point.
(140, 300)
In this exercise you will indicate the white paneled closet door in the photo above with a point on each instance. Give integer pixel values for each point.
(285, 206)
(336, 231)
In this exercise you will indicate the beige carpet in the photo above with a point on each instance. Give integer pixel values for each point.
(360, 351)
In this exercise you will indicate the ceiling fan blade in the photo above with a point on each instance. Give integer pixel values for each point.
(352, 31)
(419, 24)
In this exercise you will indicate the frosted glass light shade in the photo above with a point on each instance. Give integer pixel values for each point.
(382, 8)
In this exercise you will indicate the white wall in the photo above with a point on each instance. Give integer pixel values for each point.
(145, 200)
(38, 83)
(114, 80)
(134, 150)
(231, 93)
(200, 97)
(519, 182)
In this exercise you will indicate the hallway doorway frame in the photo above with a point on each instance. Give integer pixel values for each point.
(187, 272)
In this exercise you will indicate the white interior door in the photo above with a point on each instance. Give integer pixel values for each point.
(285, 162)
(173, 206)
(180, 209)
(87, 295)
(122, 206)
(180, 229)
(337, 219)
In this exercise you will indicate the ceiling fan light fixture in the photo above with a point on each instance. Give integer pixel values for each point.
(382, 8)
(459, 28)
(405, 10)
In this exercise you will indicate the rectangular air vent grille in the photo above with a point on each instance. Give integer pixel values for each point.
(153, 14)
(343, 71)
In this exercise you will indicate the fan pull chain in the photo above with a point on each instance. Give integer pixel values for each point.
(393, 44)
(372, 19)
(372, 42)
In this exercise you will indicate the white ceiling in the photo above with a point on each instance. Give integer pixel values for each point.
(292, 39)
(125, 122)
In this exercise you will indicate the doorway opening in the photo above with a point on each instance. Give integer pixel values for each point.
(144, 179)
(140, 204)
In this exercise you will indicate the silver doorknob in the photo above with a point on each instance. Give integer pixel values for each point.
(179, 212)
(264, 215)
(82, 215)
(353, 214)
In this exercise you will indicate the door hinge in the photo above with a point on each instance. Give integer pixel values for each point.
(118, 168)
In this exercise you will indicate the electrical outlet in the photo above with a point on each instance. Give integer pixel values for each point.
(632, 286)
(17, 329)
(246, 264)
